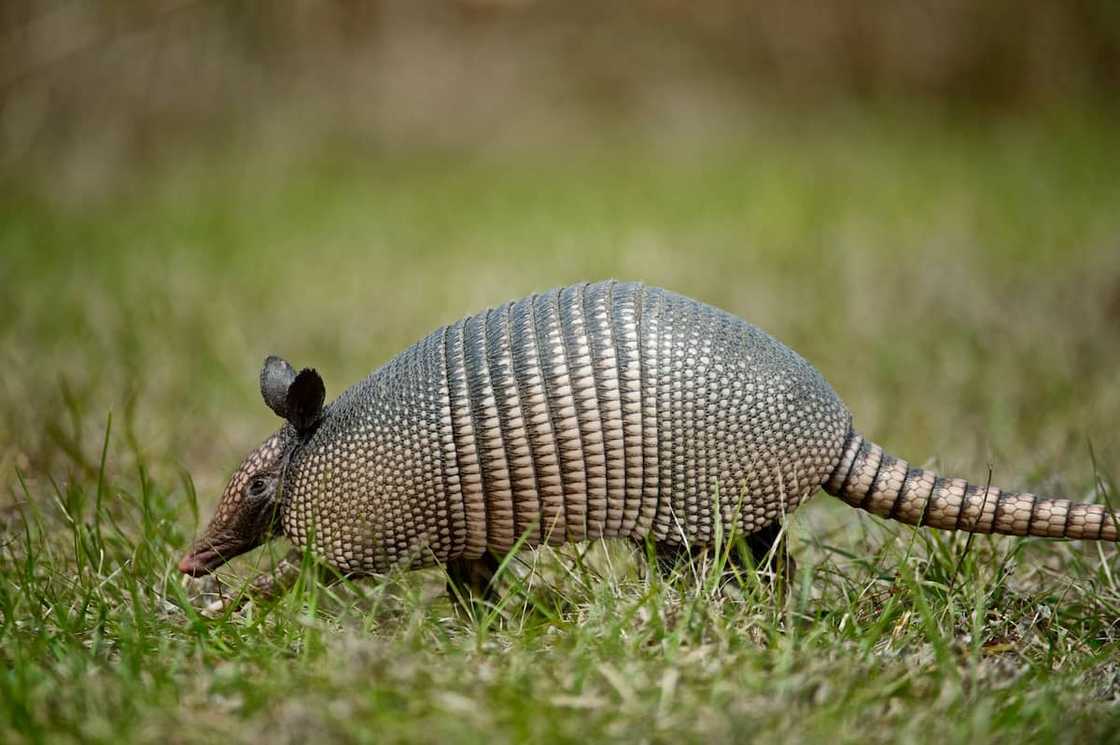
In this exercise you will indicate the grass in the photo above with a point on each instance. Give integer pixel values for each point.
(958, 284)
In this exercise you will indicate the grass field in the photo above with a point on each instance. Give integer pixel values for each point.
(958, 284)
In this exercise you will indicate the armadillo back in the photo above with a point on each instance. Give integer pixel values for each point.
(596, 410)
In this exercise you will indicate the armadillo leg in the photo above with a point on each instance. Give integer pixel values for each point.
(767, 549)
(263, 587)
(770, 552)
(672, 559)
(470, 582)
(668, 558)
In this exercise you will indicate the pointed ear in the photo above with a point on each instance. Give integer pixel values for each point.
(304, 402)
(277, 377)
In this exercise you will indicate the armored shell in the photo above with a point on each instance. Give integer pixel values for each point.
(595, 410)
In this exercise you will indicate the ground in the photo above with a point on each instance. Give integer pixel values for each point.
(957, 282)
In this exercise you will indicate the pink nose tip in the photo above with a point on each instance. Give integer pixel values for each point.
(190, 564)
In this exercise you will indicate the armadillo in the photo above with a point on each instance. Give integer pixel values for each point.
(605, 410)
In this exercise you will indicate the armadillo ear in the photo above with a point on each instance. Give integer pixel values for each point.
(277, 377)
(304, 401)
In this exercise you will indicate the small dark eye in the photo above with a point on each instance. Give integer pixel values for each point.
(257, 487)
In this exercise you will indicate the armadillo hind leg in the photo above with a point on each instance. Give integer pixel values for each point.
(770, 554)
(767, 549)
(668, 559)
(471, 583)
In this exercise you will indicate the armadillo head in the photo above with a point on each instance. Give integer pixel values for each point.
(250, 509)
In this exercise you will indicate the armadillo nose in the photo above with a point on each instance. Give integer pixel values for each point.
(193, 565)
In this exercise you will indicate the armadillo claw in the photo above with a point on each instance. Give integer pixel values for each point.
(210, 596)
(224, 606)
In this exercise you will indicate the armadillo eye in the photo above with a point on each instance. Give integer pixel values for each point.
(257, 487)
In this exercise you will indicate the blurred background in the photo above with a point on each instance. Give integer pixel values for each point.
(96, 87)
(921, 198)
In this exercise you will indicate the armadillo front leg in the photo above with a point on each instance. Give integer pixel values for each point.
(265, 586)
(471, 583)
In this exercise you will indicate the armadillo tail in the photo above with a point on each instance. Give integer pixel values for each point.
(872, 480)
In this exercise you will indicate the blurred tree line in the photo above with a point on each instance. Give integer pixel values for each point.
(101, 84)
